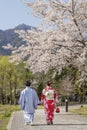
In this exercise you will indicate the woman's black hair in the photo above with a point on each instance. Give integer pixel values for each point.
(49, 83)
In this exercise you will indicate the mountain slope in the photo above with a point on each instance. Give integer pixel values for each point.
(10, 37)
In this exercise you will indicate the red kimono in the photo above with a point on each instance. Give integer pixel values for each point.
(48, 99)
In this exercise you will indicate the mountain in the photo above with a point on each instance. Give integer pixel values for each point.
(9, 37)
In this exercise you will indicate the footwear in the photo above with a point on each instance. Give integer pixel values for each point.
(31, 123)
(26, 123)
(52, 122)
(49, 123)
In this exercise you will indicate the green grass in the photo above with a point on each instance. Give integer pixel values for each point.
(80, 111)
(40, 107)
(5, 114)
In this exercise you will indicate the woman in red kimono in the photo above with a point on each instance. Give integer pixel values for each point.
(48, 100)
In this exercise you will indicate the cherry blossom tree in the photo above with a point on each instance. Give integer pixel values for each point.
(60, 40)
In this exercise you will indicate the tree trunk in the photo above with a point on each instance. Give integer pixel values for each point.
(2, 96)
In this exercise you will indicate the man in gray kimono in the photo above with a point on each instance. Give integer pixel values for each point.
(28, 102)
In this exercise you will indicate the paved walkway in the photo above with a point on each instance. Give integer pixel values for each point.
(62, 121)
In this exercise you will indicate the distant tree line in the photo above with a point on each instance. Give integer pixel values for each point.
(66, 84)
(12, 78)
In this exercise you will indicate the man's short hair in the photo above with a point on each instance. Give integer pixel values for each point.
(27, 83)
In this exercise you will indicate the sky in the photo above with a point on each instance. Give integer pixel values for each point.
(15, 12)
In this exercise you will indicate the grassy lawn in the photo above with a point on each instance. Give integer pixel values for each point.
(40, 107)
(5, 114)
(80, 111)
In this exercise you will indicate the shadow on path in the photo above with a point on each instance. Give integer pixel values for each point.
(57, 124)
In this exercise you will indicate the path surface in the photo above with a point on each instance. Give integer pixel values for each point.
(62, 121)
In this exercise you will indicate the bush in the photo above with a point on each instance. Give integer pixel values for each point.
(7, 113)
